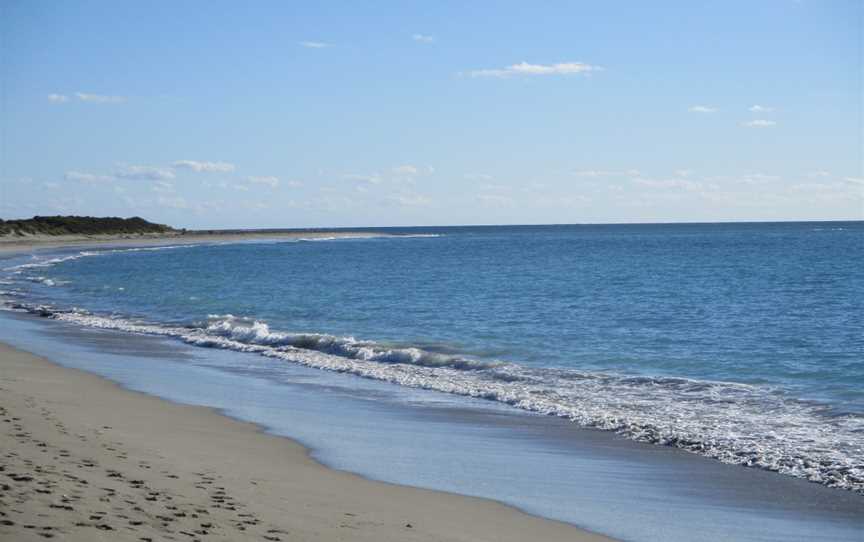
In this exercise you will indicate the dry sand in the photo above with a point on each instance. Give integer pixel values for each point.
(83, 459)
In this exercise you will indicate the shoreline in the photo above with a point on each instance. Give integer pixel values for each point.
(716, 486)
(97, 450)
(12, 245)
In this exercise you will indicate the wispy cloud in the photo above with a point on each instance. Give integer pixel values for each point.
(526, 69)
(268, 180)
(314, 44)
(163, 187)
(760, 109)
(406, 171)
(99, 98)
(144, 173)
(194, 165)
(760, 123)
(684, 184)
(371, 179)
(410, 200)
(701, 109)
(87, 177)
(606, 173)
(423, 38)
(58, 98)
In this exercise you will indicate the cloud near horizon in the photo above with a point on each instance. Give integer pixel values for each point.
(99, 98)
(407, 170)
(760, 109)
(194, 165)
(760, 123)
(269, 180)
(86, 177)
(701, 109)
(145, 173)
(526, 69)
(86, 97)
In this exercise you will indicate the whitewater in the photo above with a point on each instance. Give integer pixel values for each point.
(755, 421)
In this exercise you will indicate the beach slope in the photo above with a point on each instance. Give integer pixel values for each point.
(82, 459)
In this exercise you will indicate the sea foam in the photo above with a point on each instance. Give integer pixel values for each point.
(749, 425)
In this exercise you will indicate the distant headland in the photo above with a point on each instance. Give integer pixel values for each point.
(81, 225)
(47, 231)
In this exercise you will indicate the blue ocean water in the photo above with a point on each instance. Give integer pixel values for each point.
(739, 342)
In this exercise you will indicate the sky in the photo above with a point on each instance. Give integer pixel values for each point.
(339, 114)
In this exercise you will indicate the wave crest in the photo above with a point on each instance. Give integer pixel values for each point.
(742, 424)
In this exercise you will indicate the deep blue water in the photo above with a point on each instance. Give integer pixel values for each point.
(740, 342)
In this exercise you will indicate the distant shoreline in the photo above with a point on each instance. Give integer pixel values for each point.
(30, 243)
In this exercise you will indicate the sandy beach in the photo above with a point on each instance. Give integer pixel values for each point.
(84, 459)
(27, 243)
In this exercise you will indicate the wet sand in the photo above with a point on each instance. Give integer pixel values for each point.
(84, 459)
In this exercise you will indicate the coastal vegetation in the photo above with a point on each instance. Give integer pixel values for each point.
(81, 225)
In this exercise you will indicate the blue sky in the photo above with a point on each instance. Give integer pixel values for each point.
(290, 114)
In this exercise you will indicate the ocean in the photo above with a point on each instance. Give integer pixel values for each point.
(739, 346)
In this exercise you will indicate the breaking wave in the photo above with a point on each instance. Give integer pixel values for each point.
(749, 425)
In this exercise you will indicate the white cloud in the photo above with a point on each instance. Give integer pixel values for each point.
(58, 98)
(371, 179)
(294, 183)
(99, 98)
(163, 187)
(684, 184)
(701, 109)
(606, 173)
(314, 44)
(757, 178)
(145, 173)
(423, 38)
(407, 170)
(410, 200)
(86, 177)
(268, 180)
(222, 167)
(523, 68)
(760, 123)
(760, 109)
(478, 176)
